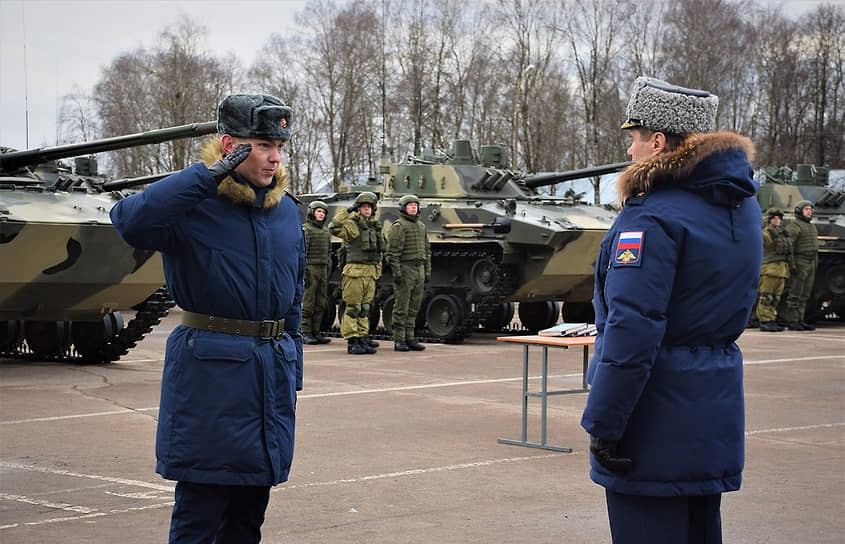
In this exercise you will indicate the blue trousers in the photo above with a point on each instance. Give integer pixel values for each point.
(217, 514)
(636, 519)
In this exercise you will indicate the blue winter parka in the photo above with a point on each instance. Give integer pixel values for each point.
(226, 413)
(675, 282)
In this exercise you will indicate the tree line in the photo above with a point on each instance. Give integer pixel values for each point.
(547, 78)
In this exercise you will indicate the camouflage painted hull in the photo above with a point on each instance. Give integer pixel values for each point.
(64, 261)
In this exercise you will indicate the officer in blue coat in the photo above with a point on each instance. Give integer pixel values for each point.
(675, 281)
(234, 260)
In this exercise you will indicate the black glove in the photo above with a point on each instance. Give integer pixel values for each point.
(397, 280)
(352, 208)
(605, 453)
(225, 166)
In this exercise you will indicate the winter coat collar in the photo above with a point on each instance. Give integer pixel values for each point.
(725, 182)
(243, 193)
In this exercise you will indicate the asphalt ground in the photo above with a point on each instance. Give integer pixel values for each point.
(402, 448)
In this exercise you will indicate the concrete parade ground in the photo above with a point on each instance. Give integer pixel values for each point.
(402, 448)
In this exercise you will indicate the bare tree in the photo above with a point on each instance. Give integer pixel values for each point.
(343, 66)
(277, 72)
(175, 83)
(77, 118)
(825, 40)
(594, 41)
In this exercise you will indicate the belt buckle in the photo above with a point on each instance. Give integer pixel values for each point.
(270, 330)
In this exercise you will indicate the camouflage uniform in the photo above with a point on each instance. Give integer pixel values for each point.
(318, 259)
(409, 258)
(364, 247)
(777, 252)
(805, 246)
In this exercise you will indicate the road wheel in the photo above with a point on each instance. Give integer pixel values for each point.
(445, 315)
(536, 316)
(578, 312)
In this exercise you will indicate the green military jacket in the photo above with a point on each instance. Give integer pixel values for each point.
(804, 237)
(317, 242)
(776, 245)
(362, 239)
(407, 242)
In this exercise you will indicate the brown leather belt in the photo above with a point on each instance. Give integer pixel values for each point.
(267, 329)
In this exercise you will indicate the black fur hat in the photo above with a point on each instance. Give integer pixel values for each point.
(254, 116)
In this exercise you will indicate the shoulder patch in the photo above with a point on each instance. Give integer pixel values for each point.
(629, 248)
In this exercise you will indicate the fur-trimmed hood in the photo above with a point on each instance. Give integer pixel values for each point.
(242, 193)
(714, 165)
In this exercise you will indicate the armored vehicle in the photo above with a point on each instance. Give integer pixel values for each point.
(496, 242)
(782, 188)
(67, 275)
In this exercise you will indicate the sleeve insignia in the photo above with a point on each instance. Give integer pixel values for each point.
(629, 248)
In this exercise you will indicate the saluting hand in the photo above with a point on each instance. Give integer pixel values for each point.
(221, 169)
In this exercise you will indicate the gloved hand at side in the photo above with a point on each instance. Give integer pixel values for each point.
(605, 453)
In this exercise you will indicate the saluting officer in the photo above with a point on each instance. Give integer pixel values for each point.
(364, 247)
(805, 246)
(777, 252)
(318, 263)
(409, 258)
(234, 259)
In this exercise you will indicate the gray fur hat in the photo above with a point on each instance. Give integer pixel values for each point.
(254, 116)
(663, 107)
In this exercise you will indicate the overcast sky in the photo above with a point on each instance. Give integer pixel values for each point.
(68, 43)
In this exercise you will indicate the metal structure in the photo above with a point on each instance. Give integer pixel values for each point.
(67, 275)
(782, 188)
(495, 242)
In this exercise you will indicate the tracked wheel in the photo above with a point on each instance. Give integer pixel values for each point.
(91, 337)
(445, 316)
(578, 312)
(47, 338)
(537, 316)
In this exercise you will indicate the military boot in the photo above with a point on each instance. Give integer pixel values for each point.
(368, 341)
(354, 347)
(807, 326)
(400, 345)
(414, 345)
(322, 339)
(309, 339)
(795, 326)
(770, 326)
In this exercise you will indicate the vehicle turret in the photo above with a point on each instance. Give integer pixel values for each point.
(67, 276)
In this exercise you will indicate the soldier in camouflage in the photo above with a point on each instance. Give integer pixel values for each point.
(805, 247)
(409, 258)
(777, 253)
(318, 259)
(363, 247)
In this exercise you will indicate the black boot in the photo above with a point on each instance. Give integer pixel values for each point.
(807, 326)
(367, 341)
(400, 345)
(414, 345)
(795, 326)
(322, 339)
(770, 326)
(309, 339)
(354, 347)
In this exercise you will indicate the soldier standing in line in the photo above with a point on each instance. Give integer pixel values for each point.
(364, 247)
(805, 246)
(319, 260)
(409, 258)
(777, 252)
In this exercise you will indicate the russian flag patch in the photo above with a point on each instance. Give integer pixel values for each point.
(629, 248)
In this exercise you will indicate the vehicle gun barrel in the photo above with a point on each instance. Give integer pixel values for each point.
(14, 160)
(128, 183)
(543, 180)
